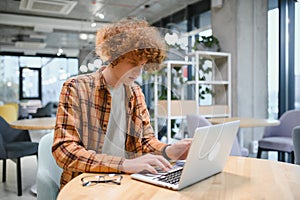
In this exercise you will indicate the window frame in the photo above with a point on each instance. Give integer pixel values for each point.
(286, 94)
(21, 84)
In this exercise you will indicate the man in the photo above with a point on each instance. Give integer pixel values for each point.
(102, 122)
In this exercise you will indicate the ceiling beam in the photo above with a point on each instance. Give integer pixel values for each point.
(48, 24)
(67, 51)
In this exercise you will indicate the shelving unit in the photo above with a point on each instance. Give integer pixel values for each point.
(216, 103)
(218, 80)
(171, 109)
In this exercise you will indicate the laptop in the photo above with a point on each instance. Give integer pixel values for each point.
(208, 154)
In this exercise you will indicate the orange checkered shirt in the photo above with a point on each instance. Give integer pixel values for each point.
(82, 121)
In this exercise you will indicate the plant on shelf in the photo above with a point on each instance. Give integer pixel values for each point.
(207, 43)
(204, 71)
(204, 91)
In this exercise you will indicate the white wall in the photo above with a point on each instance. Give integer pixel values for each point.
(241, 26)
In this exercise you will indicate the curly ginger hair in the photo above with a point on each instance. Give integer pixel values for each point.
(131, 38)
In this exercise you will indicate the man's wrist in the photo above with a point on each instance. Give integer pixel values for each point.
(164, 153)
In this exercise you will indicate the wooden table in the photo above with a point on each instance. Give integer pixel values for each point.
(43, 123)
(242, 178)
(246, 123)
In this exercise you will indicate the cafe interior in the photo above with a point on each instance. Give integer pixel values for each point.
(226, 60)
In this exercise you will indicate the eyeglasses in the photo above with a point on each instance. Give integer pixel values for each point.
(93, 180)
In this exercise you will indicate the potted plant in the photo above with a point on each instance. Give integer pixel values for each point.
(207, 43)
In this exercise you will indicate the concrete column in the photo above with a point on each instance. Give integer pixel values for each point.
(241, 26)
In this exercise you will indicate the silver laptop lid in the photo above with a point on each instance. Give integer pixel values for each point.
(209, 151)
(207, 156)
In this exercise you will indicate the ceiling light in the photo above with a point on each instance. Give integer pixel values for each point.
(83, 68)
(97, 63)
(59, 52)
(93, 24)
(83, 36)
(91, 66)
(101, 16)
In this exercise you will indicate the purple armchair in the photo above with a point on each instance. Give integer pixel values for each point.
(279, 138)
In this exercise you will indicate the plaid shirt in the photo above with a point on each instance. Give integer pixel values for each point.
(82, 121)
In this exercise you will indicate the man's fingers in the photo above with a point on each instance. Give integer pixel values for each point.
(165, 162)
(162, 163)
(150, 169)
(159, 161)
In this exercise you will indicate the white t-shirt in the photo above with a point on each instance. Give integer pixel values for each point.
(114, 141)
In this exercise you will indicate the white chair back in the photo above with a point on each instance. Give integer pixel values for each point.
(48, 175)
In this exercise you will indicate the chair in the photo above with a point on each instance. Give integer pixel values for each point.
(9, 113)
(45, 111)
(54, 108)
(15, 144)
(48, 175)
(23, 112)
(194, 121)
(237, 150)
(296, 143)
(279, 138)
(16, 105)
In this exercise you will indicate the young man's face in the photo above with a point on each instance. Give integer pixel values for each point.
(129, 70)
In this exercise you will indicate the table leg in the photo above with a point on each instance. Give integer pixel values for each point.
(241, 137)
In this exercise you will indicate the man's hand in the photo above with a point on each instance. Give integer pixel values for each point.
(146, 162)
(179, 150)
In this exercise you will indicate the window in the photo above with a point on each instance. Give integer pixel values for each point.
(297, 58)
(53, 72)
(9, 78)
(283, 64)
(273, 65)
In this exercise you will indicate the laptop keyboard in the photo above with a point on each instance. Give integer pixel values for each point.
(171, 177)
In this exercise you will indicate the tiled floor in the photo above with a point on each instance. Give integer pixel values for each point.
(8, 190)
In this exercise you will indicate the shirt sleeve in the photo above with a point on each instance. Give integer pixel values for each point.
(67, 148)
(150, 142)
